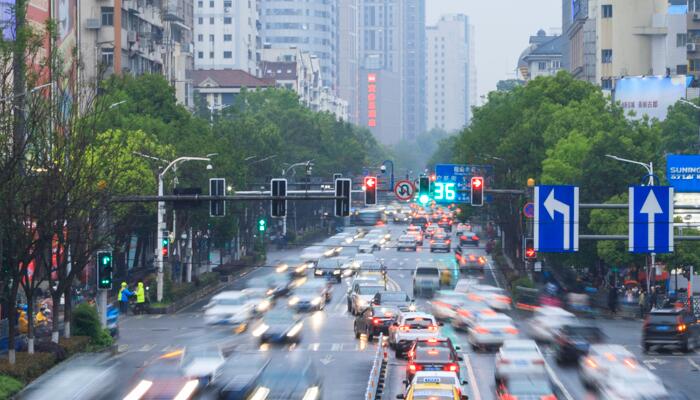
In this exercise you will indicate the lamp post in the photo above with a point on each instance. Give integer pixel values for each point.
(695, 106)
(284, 174)
(383, 168)
(650, 171)
(161, 220)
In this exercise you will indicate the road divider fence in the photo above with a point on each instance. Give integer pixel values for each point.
(377, 376)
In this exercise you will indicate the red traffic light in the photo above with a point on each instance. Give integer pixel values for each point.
(370, 181)
(433, 178)
(530, 252)
(477, 182)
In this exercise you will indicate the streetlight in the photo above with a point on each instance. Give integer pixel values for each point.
(161, 219)
(284, 173)
(695, 106)
(383, 169)
(30, 91)
(650, 170)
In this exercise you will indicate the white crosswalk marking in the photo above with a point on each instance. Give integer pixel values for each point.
(314, 346)
(157, 316)
(146, 348)
(337, 347)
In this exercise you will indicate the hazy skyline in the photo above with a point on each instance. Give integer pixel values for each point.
(502, 30)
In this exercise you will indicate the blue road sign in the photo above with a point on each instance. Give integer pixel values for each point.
(683, 172)
(556, 219)
(651, 219)
(452, 182)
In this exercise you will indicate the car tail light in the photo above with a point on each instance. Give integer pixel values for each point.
(414, 367)
(488, 311)
(464, 313)
(447, 241)
(475, 238)
(475, 297)
(630, 362)
(548, 397)
(481, 329)
(503, 299)
(462, 237)
(376, 321)
(589, 361)
(682, 328)
(433, 328)
(404, 328)
(451, 367)
(511, 330)
(538, 361)
(482, 260)
(472, 257)
(509, 397)
(432, 340)
(503, 361)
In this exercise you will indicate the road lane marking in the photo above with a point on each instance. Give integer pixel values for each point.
(649, 364)
(314, 346)
(336, 347)
(493, 274)
(472, 378)
(695, 366)
(146, 348)
(558, 382)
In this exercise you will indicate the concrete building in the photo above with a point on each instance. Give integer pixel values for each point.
(542, 57)
(219, 88)
(348, 61)
(309, 26)
(226, 35)
(449, 68)
(413, 76)
(580, 31)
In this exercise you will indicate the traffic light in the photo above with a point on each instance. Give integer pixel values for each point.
(217, 187)
(370, 190)
(424, 190)
(477, 189)
(530, 254)
(104, 270)
(262, 225)
(343, 188)
(279, 206)
(165, 244)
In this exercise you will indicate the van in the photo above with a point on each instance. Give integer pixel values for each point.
(426, 279)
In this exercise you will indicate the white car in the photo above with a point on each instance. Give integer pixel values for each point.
(491, 330)
(407, 242)
(361, 295)
(229, 307)
(594, 367)
(445, 304)
(519, 357)
(623, 383)
(493, 296)
(201, 362)
(468, 312)
(411, 326)
(547, 320)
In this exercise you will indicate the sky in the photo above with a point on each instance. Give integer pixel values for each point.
(502, 30)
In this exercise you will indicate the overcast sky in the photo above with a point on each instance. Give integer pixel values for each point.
(502, 27)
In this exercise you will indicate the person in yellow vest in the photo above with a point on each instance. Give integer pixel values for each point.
(140, 298)
(123, 297)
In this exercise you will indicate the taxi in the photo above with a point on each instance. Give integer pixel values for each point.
(434, 386)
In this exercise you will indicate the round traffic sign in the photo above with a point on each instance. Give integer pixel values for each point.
(404, 190)
(529, 210)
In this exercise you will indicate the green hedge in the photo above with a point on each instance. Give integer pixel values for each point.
(27, 366)
(9, 386)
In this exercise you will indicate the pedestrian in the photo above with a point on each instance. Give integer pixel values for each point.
(653, 298)
(123, 297)
(140, 298)
(612, 300)
(642, 303)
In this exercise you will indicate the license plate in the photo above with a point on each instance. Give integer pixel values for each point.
(663, 328)
(498, 333)
(432, 368)
(521, 362)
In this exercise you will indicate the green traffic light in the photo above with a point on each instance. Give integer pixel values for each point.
(106, 260)
(261, 225)
(424, 199)
(165, 242)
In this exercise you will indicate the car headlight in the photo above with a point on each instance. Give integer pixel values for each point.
(260, 330)
(293, 301)
(300, 269)
(282, 267)
(263, 306)
(316, 301)
(318, 272)
(412, 307)
(336, 272)
(361, 302)
(295, 330)
(260, 393)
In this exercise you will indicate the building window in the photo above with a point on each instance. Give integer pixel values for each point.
(606, 83)
(228, 37)
(681, 39)
(542, 65)
(607, 10)
(200, 54)
(200, 4)
(200, 20)
(693, 65)
(200, 38)
(211, 4)
(211, 54)
(227, 3)
(681, 69)
(107, 16)
(211, 20)
(606, 56)
(228, 54)
(228, 20)
(211, 38)
(108, 56)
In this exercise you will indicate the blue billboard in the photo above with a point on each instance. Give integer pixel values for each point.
(683, 172)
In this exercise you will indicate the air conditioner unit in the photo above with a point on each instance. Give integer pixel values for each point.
(93, 23)
(692, 47)
(131, 36)
(696, 16)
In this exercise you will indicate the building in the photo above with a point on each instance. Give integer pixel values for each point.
(226, 35)
(218, 88)
(348, 61)
(580, 33)
(309, 26)
(542, 57)
(413, 75)
(449, 68)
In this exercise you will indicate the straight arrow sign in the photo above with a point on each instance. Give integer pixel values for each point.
(651, 219)
(651, 207)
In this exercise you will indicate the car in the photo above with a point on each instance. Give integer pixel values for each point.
(622, 383)
(440, 242)
(361, 295)
(517, 358)
(426, 279)
(398, 299)
(368, 217)
(573, 340)
(445, 223)
(430, 230)
(435, 358)
(494, 296)
(279, 326)
(670, 327)
(332, 246)
(236, 378)
(260, 298)
(491, 330)
(201, 362)
(276, 284)
(546, 321)
(409, 327)
(469, 262)
(407, 242)
(308, 297)
(331, 268)
(526, 388)
(295, 267)
(163, 378)
(461, 228)
(445, 304)
(417, 233)
(594, 367)
(373, 268)
(469, 238)
(376, 240)
(420, 220)
(288, 376)
(400, 218)
(229, 307)
(436, 342)
(312, 254)
(374, 320)
(364, 246)
(428, 383)
(467, 313)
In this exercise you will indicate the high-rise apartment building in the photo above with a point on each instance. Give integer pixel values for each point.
(226, 35)
(449, 70)
(348, 61)
(309, 25)
(413, 59)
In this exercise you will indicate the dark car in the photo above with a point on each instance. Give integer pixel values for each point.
(397, 299)
(288, 377)
(446, 224)
(440, 242)
(469, 262)
(572, 341)
(235, 379)
(436, 342)
(526, 388)
(331, 268)
(431, 359)
(420, 220)
(671, 327)
(375, 320)
(277, 284)
(279, 326)
(469, 238)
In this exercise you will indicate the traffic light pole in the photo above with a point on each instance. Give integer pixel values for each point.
(102, 307)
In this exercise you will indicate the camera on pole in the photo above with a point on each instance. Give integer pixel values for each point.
(278, 206)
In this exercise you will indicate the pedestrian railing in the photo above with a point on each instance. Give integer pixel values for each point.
(375, 384)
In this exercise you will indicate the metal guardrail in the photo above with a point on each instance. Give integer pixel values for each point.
(375, 383)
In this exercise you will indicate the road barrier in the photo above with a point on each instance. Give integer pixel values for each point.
(377, 376)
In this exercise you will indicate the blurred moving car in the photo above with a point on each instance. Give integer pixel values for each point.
(399, 299)
(526, 388)
(445, 304)
(309, 297)
(374, 320)
(229, 307)
(671, 327)
(426, 279)
(461, 228)
(491, 331)
(431, 359)
(279, 326)
(407, 242)
(277, 284)
(594, 367)
(573, 340)
(445, 223)
(332, 268)
(312, 254)
(201, 362)
(494, 297)
(468, 312)
(546, 321)
(624, 383)
(288, 377)
(434, 385)
(409, 327)
(235, 379)
(517, 358)
(469, 262)
(440, 242)
(361, 295)
(416, 232)
(400, 218)
(469, 238)
(163, 378)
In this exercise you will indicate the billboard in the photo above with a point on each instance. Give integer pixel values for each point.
(683, 172)
(649, 95)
